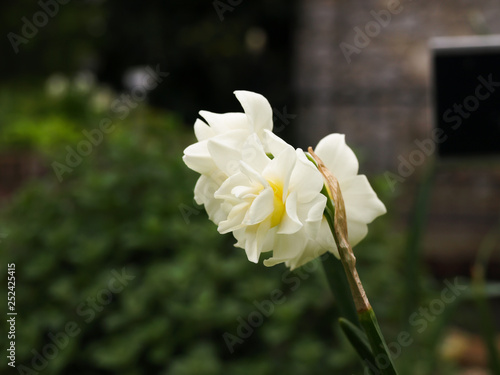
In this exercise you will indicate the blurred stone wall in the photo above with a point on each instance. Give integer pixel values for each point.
(363, 68)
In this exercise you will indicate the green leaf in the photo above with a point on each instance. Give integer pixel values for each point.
(359, 341)
(381, 352)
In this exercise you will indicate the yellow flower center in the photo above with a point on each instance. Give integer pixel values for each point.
(279, 206)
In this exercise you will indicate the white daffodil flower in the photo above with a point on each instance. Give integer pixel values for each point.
(272, 204)
(361, 202)
(230, 130)
(268, 194)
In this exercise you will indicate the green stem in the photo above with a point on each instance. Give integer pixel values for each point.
(335, 215)
(365, 312)
(337, 279)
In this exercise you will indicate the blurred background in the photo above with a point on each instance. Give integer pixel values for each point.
(118, 271)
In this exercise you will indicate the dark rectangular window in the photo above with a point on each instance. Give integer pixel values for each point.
(466, 79)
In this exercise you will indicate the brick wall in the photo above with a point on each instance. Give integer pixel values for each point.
(379, 94)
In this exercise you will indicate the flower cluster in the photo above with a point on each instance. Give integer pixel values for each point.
(266, 192)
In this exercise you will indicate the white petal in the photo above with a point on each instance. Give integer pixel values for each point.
(215, 211)
(202, 195)
(225, 122)
(225, 149)
(337, 156)
(199, 195)
(252, 250)
(306, 180)
(280, 169)
(234, 219)
(202, 130)
(261, 207)
(206, 187)
(315, 216)
(253, 175)
(361, 202)
(316, 209)
(252, 153)
(290, 223)
(325, 238)
(255, 240)
(286, 247)
(201, 189)
(197, 157)
(226, 190)
(312, 250)
(267, 245)
(269, 262)
(356, 231)
(274, 144)
(245, 192)
(258, 110)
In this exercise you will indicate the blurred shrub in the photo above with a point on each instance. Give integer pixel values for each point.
(47, 119)
(118, 271)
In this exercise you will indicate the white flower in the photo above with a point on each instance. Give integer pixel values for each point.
(268, 194)
(272, 204)
(218, 151)
(361, 202)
